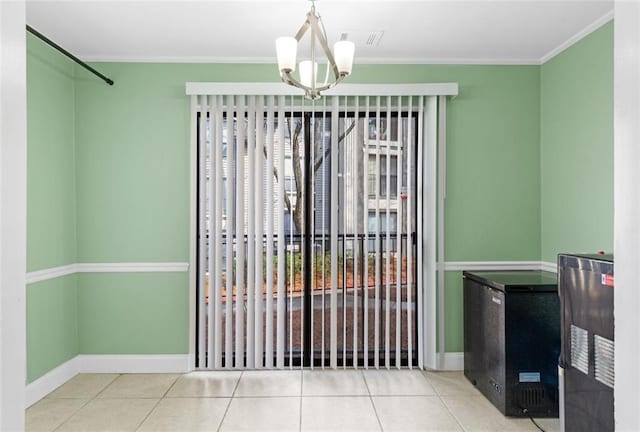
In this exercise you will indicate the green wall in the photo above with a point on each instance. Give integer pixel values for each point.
(133, 162)
(492, 138)
(577, 147)
(52, 325)
(453, 319)
(51, 193)
(134, 157)
(120, 159)
(133, 313)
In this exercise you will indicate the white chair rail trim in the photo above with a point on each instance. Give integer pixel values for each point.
(50, 273)
(180, 267)
(549, 266)
(148, 267)
(494, 265)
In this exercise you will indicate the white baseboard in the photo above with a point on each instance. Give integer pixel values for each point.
(164, 363)
(50, 381)
(451, 361)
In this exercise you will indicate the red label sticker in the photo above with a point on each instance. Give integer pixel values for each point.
(607, 280)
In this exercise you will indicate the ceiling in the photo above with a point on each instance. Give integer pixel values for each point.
(474, 32)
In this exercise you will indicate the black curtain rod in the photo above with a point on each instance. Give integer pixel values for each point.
(68, 54)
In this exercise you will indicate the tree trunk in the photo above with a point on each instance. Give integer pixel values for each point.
(297, 213)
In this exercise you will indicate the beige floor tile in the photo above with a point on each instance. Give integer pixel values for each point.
(549, 424)
(476, 413)
(139, 386)
(83, 386)
(205, 384)
(48, 414)
(277, 414)
(331, 382)
(338, 414)
(397, 383)
(109, 415)
(269, 383)
(414, 413)
(451, 384)
(186, 414)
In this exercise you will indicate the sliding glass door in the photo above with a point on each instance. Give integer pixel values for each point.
(307, 232)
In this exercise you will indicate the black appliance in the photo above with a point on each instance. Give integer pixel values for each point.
(512, 339)
(586, 364)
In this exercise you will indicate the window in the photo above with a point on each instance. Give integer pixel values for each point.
(382, 219)
(379, 177)
(385, 134)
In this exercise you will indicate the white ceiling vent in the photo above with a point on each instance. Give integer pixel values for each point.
(363, 38)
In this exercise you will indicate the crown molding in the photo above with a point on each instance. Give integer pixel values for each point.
(452, 61)
(271, 60)
(179, 59)
(578, 36)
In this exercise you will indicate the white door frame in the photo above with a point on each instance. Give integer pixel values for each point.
(427, 191)
(13, 213)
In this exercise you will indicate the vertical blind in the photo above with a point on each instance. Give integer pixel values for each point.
(308, 248)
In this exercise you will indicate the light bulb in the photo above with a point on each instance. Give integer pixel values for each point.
(343, 54)
(286, 48)
(305, 72)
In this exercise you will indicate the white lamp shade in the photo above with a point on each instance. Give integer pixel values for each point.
(305, 72)
(286, 48)
(343, 53)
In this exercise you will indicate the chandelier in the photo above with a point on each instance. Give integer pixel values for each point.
(339, 63)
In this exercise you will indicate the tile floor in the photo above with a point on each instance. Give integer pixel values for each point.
(329, 400)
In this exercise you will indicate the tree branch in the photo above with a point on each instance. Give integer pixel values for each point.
(320, 159)
(287, 201)
(297, 170)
